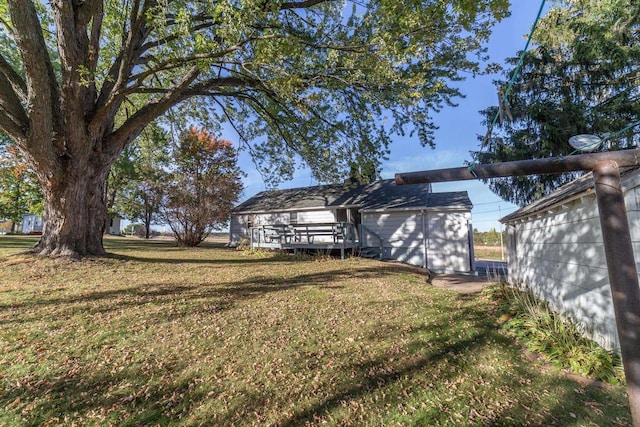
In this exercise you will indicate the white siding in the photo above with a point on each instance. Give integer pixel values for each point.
(401, 233)
(404, 238)
(238, 229)
(559, 254)
(114, 225)
(315, 217)
(310, 217)
(31, 223)
(448, 241)
(271, 218)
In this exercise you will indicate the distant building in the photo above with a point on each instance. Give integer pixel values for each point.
(114, 225)
(32, 224)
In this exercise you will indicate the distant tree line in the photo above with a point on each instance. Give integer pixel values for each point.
(488, 238)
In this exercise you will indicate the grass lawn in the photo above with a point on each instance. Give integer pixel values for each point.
(489, 252)
(157, 335)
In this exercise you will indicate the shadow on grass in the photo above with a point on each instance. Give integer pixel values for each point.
(223, 294)
(155, 397)
(17, 241)
(203, 261)
(82, 392)
(435, 363)
(141, 244)
(445, 356)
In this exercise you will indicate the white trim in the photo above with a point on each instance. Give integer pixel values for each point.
(315, 208)
(560, 205)
(420, 209)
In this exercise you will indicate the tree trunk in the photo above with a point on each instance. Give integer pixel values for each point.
(147, 217)
(75, 212)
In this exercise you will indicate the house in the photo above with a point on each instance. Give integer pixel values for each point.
(114, 225)
(555, 247)
(405, 223)
(32, 224)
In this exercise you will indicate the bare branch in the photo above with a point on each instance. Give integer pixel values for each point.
(113, 145)
(177, 63)
(302, 4)
(11, 128)
(94, 40)
(10, 103)
(172, 37)
(14, 79)
(93, 53)
(110, 97)
(88, 10)
(42, 90)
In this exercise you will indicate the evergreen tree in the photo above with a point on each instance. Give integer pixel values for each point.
(582, 78)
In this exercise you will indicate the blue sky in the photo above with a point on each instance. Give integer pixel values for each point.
(457, 133)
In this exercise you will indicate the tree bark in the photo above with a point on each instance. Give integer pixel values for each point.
(75, 212)
(147, 217)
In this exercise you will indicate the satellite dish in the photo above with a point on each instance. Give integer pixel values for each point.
(585, 142)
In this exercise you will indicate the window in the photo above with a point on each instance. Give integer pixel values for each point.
(293, 217)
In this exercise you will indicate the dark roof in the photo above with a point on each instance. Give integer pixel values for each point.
(584, 184)
(301, 198)
(383, 194)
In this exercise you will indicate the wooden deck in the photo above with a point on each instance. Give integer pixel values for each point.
(317, 236)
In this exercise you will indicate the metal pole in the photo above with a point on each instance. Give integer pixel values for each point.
(624, 158)
(501, 242)
(623, 276)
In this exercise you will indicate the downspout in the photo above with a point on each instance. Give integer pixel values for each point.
(425, 238)
(472, 254)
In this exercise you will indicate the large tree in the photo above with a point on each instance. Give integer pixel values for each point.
(581, 78)
(79, 80)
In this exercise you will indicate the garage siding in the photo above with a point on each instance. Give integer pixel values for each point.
(404, 236)
(559, 254)
(448, 241)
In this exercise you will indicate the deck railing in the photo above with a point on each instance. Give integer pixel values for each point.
(282, 235)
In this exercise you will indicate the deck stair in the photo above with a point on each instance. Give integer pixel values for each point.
(372, 253)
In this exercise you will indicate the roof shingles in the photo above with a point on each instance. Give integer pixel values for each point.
(383, 194)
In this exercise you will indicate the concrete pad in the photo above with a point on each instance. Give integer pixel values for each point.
(462, 283)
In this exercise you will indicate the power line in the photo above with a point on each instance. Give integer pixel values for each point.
(503, 99)
(495, 210)
(489, 203)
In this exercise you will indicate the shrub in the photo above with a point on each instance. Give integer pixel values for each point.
(559, 340)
